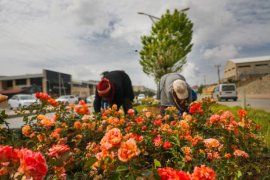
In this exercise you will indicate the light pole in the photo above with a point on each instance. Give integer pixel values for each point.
(153, 18)
(150, 16)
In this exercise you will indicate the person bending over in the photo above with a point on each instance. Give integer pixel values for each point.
(115, 87)
(173, 90)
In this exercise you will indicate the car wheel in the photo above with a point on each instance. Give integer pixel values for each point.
(9, 107)
(235, 99)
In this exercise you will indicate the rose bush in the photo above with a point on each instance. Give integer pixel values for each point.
(112, 145)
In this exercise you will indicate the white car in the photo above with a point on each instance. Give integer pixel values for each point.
(67, 99)
(90, 99)
(141, 96)
(225, 91)
(20, 100)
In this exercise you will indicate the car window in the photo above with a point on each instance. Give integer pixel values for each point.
(27, 97)
(228, 88)
(63, 97)
(14, 98)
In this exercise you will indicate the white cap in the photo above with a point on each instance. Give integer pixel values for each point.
(180, 88)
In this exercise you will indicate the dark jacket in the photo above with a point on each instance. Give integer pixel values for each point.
(123, 90)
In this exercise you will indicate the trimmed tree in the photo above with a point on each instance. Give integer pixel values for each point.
(165, 50)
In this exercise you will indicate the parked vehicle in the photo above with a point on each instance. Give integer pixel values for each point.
(90, 99)
(21, 100)
(68, 99)
(141, 96)
(225, 91)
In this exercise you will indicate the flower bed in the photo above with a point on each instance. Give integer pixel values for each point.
(111, 145)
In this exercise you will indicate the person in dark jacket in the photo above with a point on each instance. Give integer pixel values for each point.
(173, 90)
(115, 87)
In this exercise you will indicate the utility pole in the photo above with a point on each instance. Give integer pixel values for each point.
(218, 71)
(204, 78)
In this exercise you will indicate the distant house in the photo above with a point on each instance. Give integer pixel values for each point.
(245, 68)
(140, 88)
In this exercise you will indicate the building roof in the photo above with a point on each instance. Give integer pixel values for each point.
(3, 78)
(251, 59)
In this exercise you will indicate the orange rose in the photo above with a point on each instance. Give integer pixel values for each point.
(111, 138)
(240, 153)
(26, 130)
(228, 155)
(203, 172)
(114, 107)
(57, 150)
(3, 98)
(211, 143)
(79, 136)
(186, 150)
(78, 125)
(128, 150)
(148, 114)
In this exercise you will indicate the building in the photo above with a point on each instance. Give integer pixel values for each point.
(84, 88)
(246, 68)
(51, 82)
(142, 89)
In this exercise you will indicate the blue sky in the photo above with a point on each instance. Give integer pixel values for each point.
(86, 37)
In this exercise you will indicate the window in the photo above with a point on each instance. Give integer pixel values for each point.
(244, 66)
(228, 88)
(261, 65)
(9, 84)
(14, 97)
(20, 81)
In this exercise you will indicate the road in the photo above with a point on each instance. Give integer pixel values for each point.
(17, 122)
(263, 104)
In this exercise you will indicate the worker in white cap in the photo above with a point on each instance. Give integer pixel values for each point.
(173, 90)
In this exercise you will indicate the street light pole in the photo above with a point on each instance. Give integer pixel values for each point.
(153, 18)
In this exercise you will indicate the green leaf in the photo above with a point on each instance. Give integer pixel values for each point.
(157, 163)
(121, 168)
(89, 162)
(239, 174)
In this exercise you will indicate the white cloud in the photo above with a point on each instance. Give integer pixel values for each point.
(220, 53)
(84, 38)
